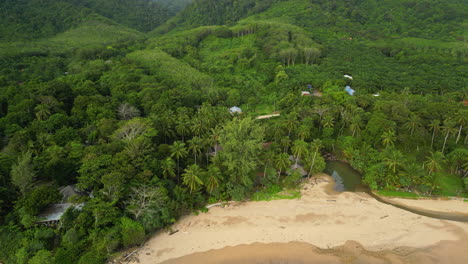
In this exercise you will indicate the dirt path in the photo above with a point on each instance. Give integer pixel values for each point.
(267, 116)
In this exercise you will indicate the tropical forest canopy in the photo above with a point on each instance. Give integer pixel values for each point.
(129, 102)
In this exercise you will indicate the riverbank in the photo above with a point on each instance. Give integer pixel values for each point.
(320, 217)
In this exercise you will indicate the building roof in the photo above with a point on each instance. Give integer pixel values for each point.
(235, 109)
(68, 191)
(53, 212)
(305, 93)
(349, 90)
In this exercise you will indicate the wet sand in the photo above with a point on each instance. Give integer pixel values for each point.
(321, 227)
(450, 252)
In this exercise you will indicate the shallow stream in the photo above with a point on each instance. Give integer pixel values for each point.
(348, 179)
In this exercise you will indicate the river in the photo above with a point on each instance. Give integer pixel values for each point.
(348, 179)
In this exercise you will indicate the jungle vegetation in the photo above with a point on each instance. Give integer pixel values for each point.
(130, 103)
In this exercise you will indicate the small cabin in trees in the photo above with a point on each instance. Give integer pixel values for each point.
(52, 214)
(349, 90)
(305, 93)
(235, 109)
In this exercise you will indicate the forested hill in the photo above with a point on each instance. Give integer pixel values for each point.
(29, 19)
(430, 19)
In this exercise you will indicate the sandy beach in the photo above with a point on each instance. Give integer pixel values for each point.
(320, 227)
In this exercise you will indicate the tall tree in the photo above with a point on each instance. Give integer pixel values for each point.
(241, 140)
(299, 149)
(192, 177)
(435, 125)
(282, 162)
(195, 146)
(168, 167)
(448, 128)
(178, 151)
(388, 138)
(22, 173)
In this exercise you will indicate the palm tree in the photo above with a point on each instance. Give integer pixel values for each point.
(195, 146)
(412, 123)
(388, 138)
(191, 177)
(183, 127)
(168, 166)
(299, 149)
(291, 122)
(435, 125)
(412, 172)
(282, 162)
(197, 126)
(393, 159)
(328, 121)
(42, 112)
(212, 178)
(316, 145)
(355, 125)
(303, 132)
(285, 143)
(178, 151)
(433, 164)
(461, 118)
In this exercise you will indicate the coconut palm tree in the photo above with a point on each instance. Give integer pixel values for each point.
(388, 138)
(413, 122)
(178, 151)
(434, 162)
(42, 112)
(435, 126)
(195, 146)
(282, 162)
(461, 118)
(303, 132)
(168, 167)
(328, 121)
(299, 149)
(393, 158)
(315, 146)
(213, 176)
(448, 128)
(192, 177)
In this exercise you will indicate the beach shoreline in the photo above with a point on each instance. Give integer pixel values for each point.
(321, 219)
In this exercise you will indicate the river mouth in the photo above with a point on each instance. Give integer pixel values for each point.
(348, 179)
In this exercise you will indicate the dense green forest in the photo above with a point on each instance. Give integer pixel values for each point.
(129, 101)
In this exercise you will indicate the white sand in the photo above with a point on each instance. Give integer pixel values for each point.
(321, 219)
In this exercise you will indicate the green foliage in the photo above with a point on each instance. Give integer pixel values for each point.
(39, 198)
(22, 173)
(132, 232)
(42, 257)
(398, 194)
(144, 126)
(275, 192)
